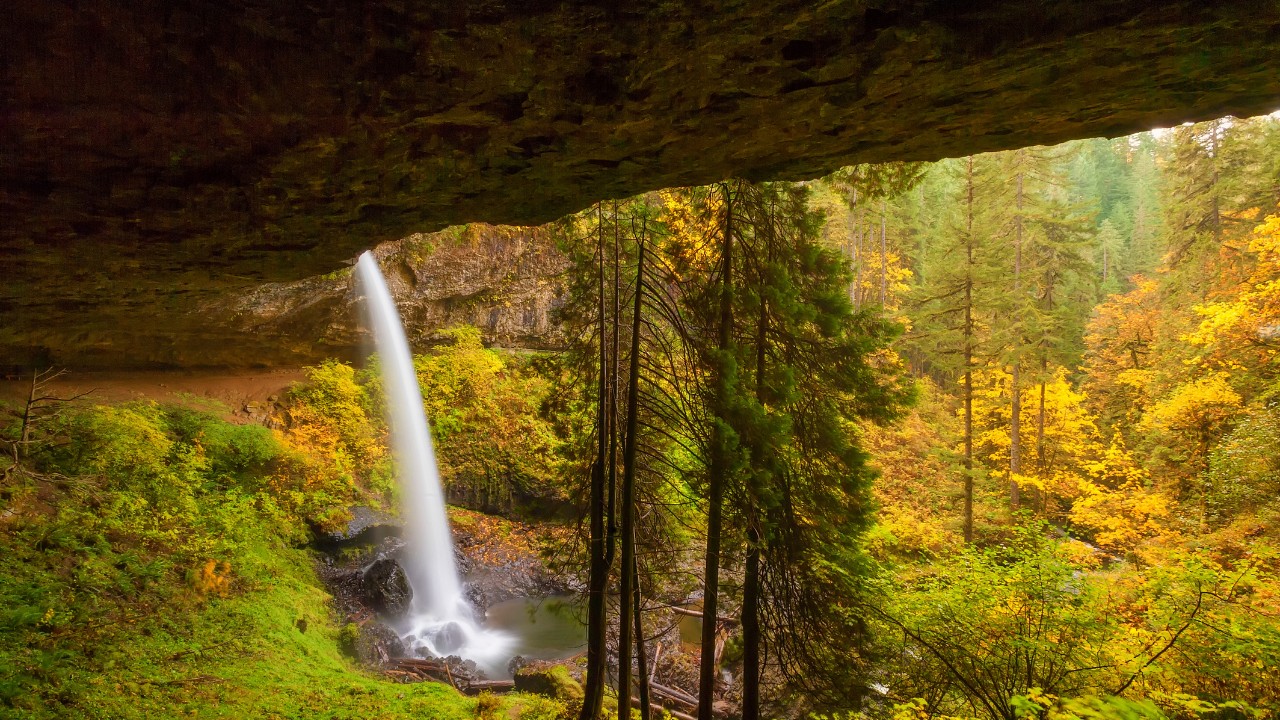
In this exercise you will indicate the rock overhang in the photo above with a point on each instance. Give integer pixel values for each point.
(156, 155)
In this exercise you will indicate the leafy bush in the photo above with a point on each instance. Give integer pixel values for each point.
(496, 448)
(1244, 469)
(494, 445)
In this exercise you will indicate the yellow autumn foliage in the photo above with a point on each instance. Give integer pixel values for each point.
(1116, 502)
(1196, 410)
(1056, 451)
(1241, 331)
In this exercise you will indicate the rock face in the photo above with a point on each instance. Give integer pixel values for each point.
(366, 528)
(157, 155)
(504, 280)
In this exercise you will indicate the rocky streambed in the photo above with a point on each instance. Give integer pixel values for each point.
(500, 560)
(510, 584)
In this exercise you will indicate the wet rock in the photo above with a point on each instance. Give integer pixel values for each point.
(386, 587)
(367, 527)
(517, 662)
(503, 565)
(464, 670)
(449, 638)
(378, 645)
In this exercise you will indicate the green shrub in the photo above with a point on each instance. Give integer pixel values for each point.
(487, 706)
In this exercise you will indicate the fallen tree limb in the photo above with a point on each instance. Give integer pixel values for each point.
(698, 614)
(674, 694)
(635, 703)
(421, 663)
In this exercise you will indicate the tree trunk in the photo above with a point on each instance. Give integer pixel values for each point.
(1040, 452)
(851, 226)
(751, 580)
(598, 571)
(716, 482)
(611, 519)
(857, 262)
(642, 663)
(1015, 410)
(884, 256)
(968, 363)
(628, 590)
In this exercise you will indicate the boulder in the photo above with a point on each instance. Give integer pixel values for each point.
(449, 638)
(386, 587)
(549, 679)
(377, 645)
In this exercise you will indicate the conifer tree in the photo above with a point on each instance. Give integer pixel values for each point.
(810, 363)
(1043, 317)
(961, 269)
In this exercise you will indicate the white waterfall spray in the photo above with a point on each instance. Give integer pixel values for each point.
(441, 622)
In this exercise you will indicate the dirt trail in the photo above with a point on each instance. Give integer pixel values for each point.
(228, 393)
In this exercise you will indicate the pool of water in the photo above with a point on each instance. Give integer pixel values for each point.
(691, 627)
(548, 628)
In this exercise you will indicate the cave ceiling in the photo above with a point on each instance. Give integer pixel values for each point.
(156, 154)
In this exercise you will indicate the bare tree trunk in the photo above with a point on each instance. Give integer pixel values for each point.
(751, 579)
(1015, 420)
(627, 595)
(855, 247)
(968, 363)
(1040, 450)
(716, 482)
(857, 262)
(642, 663)
(884, 256)
(598, 573)
(611, 519)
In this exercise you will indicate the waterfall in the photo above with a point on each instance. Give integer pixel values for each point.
(441, 621)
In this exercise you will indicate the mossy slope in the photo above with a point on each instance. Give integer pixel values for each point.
(151, 566)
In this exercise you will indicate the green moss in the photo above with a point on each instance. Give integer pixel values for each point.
(192, 656)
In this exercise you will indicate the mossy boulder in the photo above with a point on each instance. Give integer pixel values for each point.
(550, 680)
(376, 645)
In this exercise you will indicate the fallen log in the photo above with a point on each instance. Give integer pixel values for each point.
(423, 663)
(422, 669)
(674, 694)
(635, 703)
(479, 686)
(698, 614)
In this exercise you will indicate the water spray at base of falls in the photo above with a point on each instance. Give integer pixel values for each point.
(440, 623)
